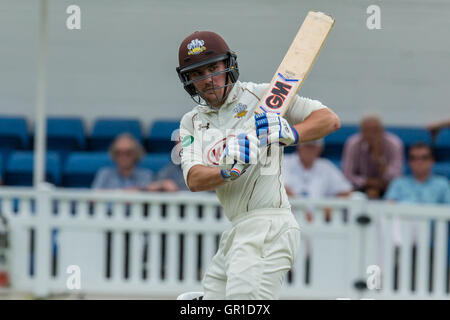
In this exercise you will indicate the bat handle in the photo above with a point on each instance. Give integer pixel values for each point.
(237, 170)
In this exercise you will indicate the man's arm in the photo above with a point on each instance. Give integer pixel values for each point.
(203, 178)
(317, 125)
(349, 164)
(394, 166)
(393, 192)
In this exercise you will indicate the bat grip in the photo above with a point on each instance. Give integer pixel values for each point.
(237, 170)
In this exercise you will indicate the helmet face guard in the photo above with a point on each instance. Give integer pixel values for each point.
(232, 75)
(200, 49)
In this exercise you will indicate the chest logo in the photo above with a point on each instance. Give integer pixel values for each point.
(187, 141)
(214, 152)
(240, 110)
(200, 127)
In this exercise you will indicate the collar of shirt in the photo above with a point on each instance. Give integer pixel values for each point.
(428, 180)
(232, 97)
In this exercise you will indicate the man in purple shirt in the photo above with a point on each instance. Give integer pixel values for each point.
(372, 158)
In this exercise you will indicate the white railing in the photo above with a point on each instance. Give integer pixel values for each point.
(158, 245)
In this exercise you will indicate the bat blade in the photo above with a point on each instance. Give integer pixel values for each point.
(297, 63)
(294, 68)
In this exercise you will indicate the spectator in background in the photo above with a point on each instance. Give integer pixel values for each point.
(372, 158)
(126, 153)
(421, 186)
(307, 175)
(170, 178)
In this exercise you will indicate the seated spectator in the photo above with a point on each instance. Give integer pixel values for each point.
(421, 186)
(126, 152)
(372, 158)
(307, 175)
(170, 178)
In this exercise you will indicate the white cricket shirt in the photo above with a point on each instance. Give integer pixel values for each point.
(203, 133)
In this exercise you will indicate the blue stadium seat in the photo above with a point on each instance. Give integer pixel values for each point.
(19, 168)
(160, 135)
(442, 169)
(105, 130)
(65, 134)
(13, 134)
(334, 143)
(81, 167)
(411, 135)
(442, 145)
(155, 161)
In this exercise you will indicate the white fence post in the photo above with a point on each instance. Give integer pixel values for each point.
(358, 222)
(43, 240)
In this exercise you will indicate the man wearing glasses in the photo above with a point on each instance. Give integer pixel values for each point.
(126, 152)
(422, 186)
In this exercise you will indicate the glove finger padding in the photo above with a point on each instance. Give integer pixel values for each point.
(240, 149)
(272, 128)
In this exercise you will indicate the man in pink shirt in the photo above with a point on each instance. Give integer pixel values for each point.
(372, 158)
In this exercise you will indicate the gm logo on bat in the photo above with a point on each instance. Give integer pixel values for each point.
(276, 97)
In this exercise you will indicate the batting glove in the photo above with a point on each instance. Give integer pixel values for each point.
(242, 149)
(271, 128)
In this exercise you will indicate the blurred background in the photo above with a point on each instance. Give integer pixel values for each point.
(112, 99)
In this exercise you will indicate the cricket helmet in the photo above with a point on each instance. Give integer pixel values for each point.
(202, 48)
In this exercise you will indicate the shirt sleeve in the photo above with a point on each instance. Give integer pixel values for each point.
(446, 191)
(395, 163)
(164, 173)
(100, 179)
(393, 191)
(146, 177)
(191, 152)
(349, 163)
(337, 183)
(301, 108)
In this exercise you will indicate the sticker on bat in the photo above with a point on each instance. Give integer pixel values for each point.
(280, 92)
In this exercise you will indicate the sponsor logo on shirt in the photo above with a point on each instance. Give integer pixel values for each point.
(240, 110)
(187, 141)
(200, 127)
(214, 153)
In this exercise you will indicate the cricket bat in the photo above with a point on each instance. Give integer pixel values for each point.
(294, 68)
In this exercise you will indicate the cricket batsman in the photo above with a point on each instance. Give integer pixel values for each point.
(260, 248)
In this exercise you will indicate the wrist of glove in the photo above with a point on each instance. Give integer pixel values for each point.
(271, 128)
(242, 149)
(226, 175)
